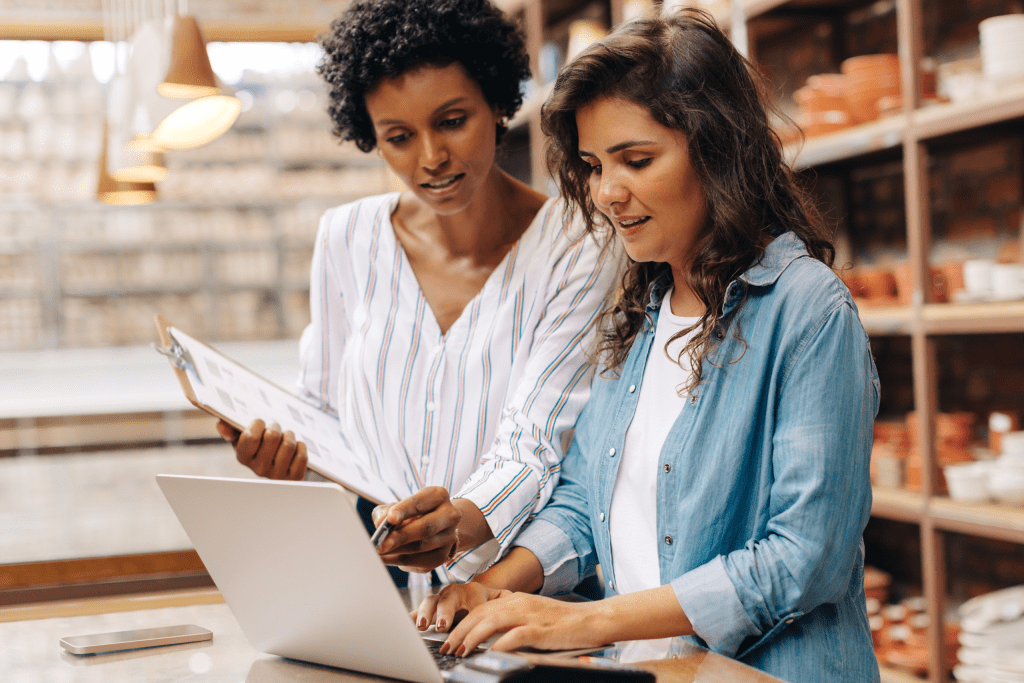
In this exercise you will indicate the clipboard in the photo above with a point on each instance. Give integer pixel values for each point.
(232, 392)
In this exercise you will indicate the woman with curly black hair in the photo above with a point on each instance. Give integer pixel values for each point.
(719, 473)
(450, 322)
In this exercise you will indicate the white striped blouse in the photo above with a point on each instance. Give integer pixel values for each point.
(481, 409)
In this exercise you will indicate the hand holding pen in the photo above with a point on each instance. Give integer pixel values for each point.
(417, 534)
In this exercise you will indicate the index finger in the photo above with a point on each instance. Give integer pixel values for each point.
(420, 503)
(476, 627)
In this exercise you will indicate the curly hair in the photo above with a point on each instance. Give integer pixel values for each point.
(687, 74)
(376, 39)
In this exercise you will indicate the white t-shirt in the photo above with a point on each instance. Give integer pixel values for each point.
(633, 522)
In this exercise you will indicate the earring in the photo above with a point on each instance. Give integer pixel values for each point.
(503, 122)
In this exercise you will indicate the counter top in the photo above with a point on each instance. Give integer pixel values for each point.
(30, 650)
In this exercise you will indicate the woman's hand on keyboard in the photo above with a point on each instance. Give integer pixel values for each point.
(451, 603)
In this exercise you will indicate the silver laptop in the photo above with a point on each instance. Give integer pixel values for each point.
(297, 569)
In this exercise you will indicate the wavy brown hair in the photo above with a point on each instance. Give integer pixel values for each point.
(686, 73)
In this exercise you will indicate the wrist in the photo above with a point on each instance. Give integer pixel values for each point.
(602, 620)
(472, 529)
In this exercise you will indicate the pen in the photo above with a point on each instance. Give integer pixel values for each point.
(380, 533)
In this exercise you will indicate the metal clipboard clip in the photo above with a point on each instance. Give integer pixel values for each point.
(179, 357)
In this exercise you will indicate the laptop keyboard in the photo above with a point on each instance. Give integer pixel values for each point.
(444, 662)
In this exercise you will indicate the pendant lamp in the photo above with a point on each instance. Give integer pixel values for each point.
(113, 192)
(199, 121)
(212, 107)
(128, 162)
(189, 74)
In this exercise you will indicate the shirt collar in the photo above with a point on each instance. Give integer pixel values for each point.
(779, 253)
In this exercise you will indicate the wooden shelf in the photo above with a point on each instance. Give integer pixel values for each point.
(989, 520)
(886, 320)
(889, 675)
(979, 318)
(898, 505)
(944, 119)
(867, 138)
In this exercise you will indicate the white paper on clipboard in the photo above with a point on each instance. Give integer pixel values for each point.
(231, 391)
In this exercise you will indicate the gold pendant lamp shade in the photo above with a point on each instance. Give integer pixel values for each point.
(189, 74)
(118, 193)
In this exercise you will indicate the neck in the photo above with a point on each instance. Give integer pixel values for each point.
(684, 302)
(492, 206)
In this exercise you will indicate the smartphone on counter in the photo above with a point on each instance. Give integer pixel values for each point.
(98, 643)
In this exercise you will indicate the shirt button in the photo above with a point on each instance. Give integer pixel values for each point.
(668, 540)
(601, 516)
(430, 406)
(611, 584)
(693, 400)
(789, 621)
(611, 452)
(668, 468)
(632, 388)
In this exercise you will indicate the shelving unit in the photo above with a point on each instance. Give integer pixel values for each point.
(908, 136)
(225, 250)
(903, 140)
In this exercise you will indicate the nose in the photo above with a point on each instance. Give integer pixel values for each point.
(433, 152)
(610, 190)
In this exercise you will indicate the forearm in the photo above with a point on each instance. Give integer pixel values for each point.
(653, 613)
(518, 571)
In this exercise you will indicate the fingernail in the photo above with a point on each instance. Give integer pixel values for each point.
(421, 623)
(461, 651)
(441, 623)
(444, 648)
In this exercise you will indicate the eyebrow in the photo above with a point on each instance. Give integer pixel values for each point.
(619, 147)
(446, 105)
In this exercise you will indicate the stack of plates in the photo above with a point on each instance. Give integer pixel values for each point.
(992, 638)
(1002, 47)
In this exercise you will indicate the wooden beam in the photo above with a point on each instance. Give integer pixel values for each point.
(214, 31)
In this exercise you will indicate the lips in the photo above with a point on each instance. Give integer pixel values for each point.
(628, 225)
(444, 183)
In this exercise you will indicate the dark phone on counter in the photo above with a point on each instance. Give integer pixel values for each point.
(98, 643)
(502, 667)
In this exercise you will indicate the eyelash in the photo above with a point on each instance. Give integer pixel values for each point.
(446, 123)
(636, 163)
(453, 122)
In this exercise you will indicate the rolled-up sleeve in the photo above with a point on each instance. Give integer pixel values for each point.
(819, 501)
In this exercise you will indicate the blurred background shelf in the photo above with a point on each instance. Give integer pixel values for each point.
(898, 504)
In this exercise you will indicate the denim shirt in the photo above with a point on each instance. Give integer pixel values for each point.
(763, 486)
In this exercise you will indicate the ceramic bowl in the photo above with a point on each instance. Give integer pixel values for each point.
(969, 482)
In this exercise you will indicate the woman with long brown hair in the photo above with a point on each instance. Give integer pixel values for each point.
(719, 473)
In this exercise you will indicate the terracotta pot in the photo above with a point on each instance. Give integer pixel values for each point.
(880, 62)
(892, 433)
(851, 278)
(878, 283)
(953, 430)
(953, 272)
(912, 478)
